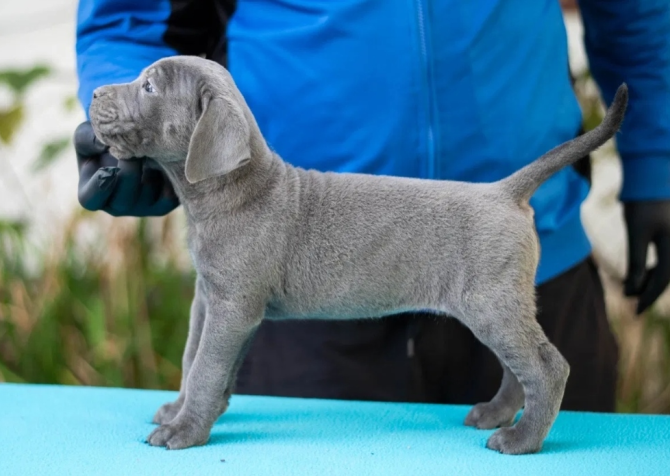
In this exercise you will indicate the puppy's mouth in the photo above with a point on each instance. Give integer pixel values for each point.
(111, 129)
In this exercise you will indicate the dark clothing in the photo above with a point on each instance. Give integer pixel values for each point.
(424, 358)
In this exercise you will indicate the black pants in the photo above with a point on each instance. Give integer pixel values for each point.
(424, 358)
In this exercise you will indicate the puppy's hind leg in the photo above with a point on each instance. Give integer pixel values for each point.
(506, 323)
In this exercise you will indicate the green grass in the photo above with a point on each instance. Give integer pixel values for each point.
(109, 313)
(644, 369)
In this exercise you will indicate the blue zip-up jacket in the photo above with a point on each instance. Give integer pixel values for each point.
(442, 89)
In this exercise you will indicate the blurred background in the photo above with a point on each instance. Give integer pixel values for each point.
(87, 299)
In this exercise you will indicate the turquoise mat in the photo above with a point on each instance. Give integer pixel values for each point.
(59, 430)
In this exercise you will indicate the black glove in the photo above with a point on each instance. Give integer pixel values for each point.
(120, 188)
(647, 222)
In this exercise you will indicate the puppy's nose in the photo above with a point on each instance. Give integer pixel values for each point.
(99, 92)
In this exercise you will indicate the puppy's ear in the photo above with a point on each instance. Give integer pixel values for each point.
(220, 141)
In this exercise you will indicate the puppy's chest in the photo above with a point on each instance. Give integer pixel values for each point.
(228, 251)
(206, 248)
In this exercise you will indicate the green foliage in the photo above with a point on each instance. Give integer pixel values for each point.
(108, 314)
(19, 81)
(10, 122)
(11, 119)
(644, 383)
(70, 103)
(50, 152)
(12, 248)
(592, 109)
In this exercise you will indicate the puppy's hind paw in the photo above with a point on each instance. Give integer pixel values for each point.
(487, 416)
(511, 441)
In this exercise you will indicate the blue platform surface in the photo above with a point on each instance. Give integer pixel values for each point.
(63, 430)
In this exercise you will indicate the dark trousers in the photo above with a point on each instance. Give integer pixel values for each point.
(423, 358)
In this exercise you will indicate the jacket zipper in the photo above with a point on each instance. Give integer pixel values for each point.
(427, 91)
(427, 85)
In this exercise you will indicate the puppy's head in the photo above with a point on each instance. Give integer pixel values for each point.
(179, 109)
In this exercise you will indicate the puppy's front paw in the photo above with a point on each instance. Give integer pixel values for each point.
(487, 416)
(511, 441)
(182, 432)
(167, 412)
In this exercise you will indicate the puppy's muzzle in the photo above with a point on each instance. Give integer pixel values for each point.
(104, 113)
(102, 92)
(103, 109)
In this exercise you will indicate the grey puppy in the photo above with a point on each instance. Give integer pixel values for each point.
(269, 240)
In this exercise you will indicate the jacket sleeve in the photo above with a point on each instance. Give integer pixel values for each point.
(117, 39)
(629, 41)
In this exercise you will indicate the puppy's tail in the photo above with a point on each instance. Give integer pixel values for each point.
(522, 184)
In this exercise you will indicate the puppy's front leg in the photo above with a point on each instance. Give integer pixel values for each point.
(167, 412)
(228, 326)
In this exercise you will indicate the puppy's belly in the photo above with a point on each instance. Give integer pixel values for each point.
(279, 313)
(344, 294)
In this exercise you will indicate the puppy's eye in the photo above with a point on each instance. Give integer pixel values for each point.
(148, 87)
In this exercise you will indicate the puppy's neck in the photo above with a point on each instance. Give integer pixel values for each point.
(220, 195)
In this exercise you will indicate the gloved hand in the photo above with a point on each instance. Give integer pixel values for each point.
(647, 222)
(120, 188)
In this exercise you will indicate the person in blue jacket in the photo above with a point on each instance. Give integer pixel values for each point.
(439, 89)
